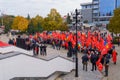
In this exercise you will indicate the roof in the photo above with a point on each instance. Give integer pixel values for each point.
(83, 4)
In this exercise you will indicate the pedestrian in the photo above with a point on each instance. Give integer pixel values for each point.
(41, 49)
(114, 56)
(33, 46)
(53, 44)
(11, 42)
(57, 44)
(93, 60)
(70, 49)
(106, 65)
(37, 49)
(85, 61)
(44, 50)
(14, 41)
(119, 41)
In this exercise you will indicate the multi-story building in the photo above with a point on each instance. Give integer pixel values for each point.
(99, 11)
(86, 12)
(117, 3)
(95, 10)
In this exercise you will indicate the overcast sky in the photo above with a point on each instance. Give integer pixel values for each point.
(41, 7)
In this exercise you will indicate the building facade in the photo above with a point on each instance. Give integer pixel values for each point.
(86, 12)
(117, 2)
(102, 10)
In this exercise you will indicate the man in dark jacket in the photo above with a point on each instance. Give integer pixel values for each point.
(44, 50)
(106, 64)
(84, 61)
(11, 42)
(93, 61)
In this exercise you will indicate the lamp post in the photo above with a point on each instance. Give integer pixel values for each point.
(75, 17)
(76, 60)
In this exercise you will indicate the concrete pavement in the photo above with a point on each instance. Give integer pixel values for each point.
(114, 70)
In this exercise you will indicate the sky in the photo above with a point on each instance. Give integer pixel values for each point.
(40, 7)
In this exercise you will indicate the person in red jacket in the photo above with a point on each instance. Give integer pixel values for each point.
(114, 56)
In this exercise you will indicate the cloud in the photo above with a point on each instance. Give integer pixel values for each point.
(41, 7)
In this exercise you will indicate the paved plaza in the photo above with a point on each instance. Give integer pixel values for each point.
(114, 70)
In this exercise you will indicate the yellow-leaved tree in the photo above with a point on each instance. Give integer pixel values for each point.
(53, 21)
(20, 23)
(114, 25)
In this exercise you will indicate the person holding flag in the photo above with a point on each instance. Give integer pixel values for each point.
(114, 55)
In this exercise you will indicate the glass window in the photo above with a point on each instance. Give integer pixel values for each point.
(95, 6)
(118, 3)
(95, 11)
(107, 7)
(95, 14)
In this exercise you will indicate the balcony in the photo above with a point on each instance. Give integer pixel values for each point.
(95, 2)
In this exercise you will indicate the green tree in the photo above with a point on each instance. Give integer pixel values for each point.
(68, 20)
(53, 21)
(40, 29)
(37, 23)
(20, 23)
(114, 25)
(7, 22)
(28, 17)
(30, 29)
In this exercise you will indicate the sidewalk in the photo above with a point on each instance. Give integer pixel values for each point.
(83, 75)
(114, 70)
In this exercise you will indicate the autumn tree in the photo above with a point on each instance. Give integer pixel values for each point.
(64, 27)
(20, 23)
(114, 25)
(53, 21)
(8, 20)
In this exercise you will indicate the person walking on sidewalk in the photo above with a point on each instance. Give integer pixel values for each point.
(85, 61)
(106, 64)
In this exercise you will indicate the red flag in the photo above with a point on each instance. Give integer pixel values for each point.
(114, 56)
(2, 44)
(100, 67)
(109, 38)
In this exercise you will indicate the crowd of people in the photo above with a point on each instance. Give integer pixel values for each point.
(96, 47)
(93, 56)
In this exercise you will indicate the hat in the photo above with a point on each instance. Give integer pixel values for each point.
(113, 47)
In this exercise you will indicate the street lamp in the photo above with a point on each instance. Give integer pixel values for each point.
(76, 63)
(76, 20)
